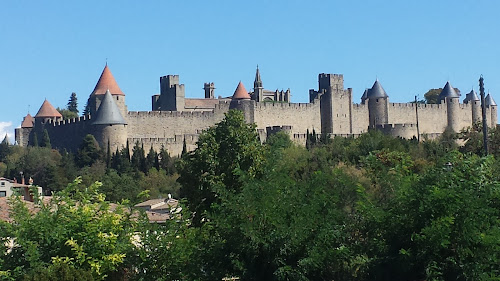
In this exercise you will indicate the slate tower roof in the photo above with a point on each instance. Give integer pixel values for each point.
(471, 96)
(107, 82)
(377, 91)
(108, 112)
(448, 92)
(47, 110)
(488, 101)
(241, 93)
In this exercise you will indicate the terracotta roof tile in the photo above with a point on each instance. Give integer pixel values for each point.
(47, 110)
(107, 81)
(27, 121)
(241, 93)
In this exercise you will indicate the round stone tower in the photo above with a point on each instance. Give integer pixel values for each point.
(452, 100)
(241, 100)
(475, 103)
(109, 126)
(492, 106)
(378, 101)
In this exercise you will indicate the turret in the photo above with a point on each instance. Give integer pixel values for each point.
(378, 101)
(473, 100)
(47, 113)
(109, 126)
(22, 134)
(241, 100)
(106, 83)
(452, 99)
(491, 106)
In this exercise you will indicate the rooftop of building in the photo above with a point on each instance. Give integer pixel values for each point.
(47, 110)
(107, 82)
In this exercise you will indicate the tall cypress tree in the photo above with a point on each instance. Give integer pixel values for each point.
(45, 139)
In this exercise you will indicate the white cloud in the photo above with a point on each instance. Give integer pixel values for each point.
(6, 128)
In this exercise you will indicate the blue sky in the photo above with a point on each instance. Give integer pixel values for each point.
(49, 49)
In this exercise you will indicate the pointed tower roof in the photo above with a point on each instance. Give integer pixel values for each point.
(107, 82)
(377, 91)
(6, 139)
(258, 81)
(448, 92)
(471, 96)
(108, 112)
(47, 110)
(365, 95)
(489, 101)
(241, 93)
(27, 121)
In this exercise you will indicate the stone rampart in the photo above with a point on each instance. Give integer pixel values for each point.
(301, 116)
(360, 121)
(167, 124)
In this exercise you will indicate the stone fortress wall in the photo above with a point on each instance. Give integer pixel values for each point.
(176, 119)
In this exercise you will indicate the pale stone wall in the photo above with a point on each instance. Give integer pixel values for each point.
(360, 120)
(167, 124)
(341, 111)
(300, 116)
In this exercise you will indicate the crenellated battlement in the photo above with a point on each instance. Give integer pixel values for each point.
(284, 105)
(78, 119)
(171, 114)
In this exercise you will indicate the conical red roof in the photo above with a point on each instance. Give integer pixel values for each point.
(47, 110)
(107, 81)
(241, 93)
(27, 121)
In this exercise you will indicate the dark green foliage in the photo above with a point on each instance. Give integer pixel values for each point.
(73, 103)
(152, 160)
(89, 151)
(224, 152)
(4, 149)
(138, 160)
(432, 96)
(280, 140)
(67, 114)
(34, 141)
(166, 162)
(184, 147)
(45, 139)
(86, 110)
(59, 272)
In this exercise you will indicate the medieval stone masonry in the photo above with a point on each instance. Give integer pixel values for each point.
(175, 119)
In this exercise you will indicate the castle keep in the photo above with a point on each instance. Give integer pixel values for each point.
(175, 119)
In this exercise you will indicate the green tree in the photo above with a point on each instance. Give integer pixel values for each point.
(432, 96)
(34, 141)
(223, 153)
(89, 151)
(152, 160)
(77, 227)
(73, 103)
(4, 149)
(45, 139)
(138, 159)
(67, 114)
